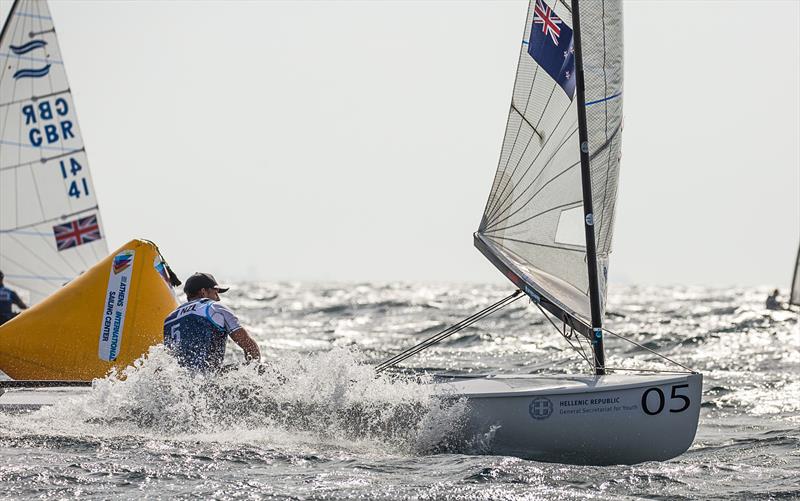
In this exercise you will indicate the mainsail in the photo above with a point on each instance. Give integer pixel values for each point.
(794, 297)
(50, 227)
(549, 217)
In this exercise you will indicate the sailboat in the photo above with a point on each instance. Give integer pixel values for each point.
(547, 226)
(91, 311)
(51, 229)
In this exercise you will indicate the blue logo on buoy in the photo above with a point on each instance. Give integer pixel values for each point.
(540, 408)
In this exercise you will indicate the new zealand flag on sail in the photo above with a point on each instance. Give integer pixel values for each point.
(551, 46)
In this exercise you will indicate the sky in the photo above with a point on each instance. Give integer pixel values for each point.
(357, 141)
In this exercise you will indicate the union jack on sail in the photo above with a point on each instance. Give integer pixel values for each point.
(551, 46)
(78, 232)
(544, 15)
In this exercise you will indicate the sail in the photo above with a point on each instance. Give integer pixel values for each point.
(794, 295)
(533, 223)
(50, 226)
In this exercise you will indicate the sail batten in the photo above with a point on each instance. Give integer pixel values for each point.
(50, 225)
(794, 295)
(533, 226)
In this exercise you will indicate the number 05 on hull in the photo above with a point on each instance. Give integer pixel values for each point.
(598, 420)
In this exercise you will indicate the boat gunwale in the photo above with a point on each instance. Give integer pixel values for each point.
(652, 380)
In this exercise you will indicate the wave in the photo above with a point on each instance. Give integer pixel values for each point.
(331, 396)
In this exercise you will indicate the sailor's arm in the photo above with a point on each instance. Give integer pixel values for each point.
(246, 343)
(17, 301)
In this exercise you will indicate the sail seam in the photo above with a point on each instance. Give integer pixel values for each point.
(495, 221)
(48, 265)
(34, 16)
(43, 160)
(582, 251)
(528, 22)
(519, 128)
(499, 205)
(499, 208)
(37, 277)
(29, 58)
(568, 204)
(15, 263)
(36, 98)
(491, 211)
(61, 217)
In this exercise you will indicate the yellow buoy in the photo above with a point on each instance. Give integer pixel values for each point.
(106, 317)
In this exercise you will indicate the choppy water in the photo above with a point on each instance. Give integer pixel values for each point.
(319, 425)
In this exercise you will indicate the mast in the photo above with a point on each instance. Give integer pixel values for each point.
(588, 210)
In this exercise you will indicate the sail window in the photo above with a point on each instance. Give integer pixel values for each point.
(570, 229)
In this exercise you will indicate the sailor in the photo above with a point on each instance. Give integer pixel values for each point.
(772, 301)
(7, 298)
(197, 331)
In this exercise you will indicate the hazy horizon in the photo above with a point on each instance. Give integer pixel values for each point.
(347, 142)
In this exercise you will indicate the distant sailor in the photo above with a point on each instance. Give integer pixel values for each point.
(197, 331)
(772, 301)
(7, 298)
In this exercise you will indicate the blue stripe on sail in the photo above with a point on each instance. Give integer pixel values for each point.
(31, 73)
(32, 45)
(604, 99)
(35, 16)
(54, 148)
(37, 277)
(29, 58)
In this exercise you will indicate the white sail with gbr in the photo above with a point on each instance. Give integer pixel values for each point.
(50, 225)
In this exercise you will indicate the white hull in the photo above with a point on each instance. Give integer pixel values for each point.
(581, 419)
(29, 395)
(20, 400)
(598, 420)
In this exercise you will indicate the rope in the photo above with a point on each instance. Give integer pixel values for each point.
(566, 336)
(427, 343)
(648, 349)
(583, 355)
(643, 370)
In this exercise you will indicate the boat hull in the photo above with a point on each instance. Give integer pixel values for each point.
(27, 399)
(597, 420)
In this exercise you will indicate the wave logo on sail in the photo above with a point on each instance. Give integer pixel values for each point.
(122, 261)
(30, 72)
(24, 49)
(540, 408)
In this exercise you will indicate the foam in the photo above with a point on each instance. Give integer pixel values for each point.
(331, 397)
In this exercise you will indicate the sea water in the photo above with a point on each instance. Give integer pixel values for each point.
(316, 422)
